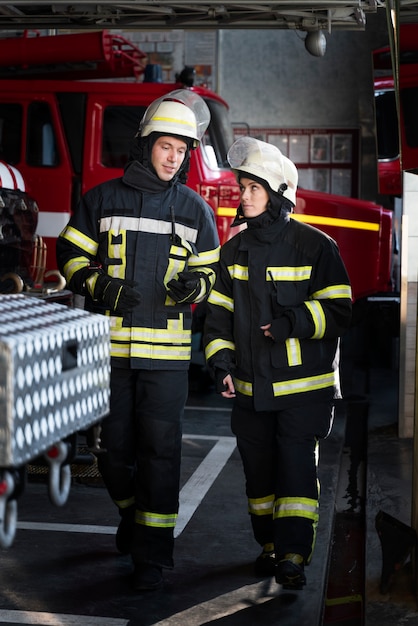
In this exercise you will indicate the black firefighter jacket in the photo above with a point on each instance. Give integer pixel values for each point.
(146, 237)
(286, 268)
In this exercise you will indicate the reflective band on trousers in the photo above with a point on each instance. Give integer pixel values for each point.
(261, 506)
(125, 504)
(156, 520)
(296, 507)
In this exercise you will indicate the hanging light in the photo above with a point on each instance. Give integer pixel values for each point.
(316, 43)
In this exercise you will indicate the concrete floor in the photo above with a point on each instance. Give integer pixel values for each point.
(389, 489)
(63, 568)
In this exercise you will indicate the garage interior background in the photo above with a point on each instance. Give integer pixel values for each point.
(279, 92)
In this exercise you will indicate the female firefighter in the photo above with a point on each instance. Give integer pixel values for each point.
(141, 249)
(281, 300)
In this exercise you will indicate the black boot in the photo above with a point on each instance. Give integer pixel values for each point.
(147, 577)
(289, 572)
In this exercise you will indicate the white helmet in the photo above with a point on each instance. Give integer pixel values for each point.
(265, 161)
(180, 112)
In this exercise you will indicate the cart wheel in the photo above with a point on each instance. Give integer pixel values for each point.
(59, 473)
(59, 484)
(8, 511)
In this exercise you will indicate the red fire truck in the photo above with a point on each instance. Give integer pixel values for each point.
(65, 135)
(397, 143)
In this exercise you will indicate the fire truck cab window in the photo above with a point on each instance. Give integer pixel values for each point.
(41, 145)
(409, 99)
(386, 126)
(120, 125)
(10, 132)
(219, 137)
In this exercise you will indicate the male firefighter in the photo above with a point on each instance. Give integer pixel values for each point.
(141, 249)
(281, 300)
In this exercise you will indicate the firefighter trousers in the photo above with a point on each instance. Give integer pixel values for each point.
(140, 465)
(280, 451)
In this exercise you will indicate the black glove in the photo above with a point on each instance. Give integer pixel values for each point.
(187, 286)
(281, 328)
(116, 293)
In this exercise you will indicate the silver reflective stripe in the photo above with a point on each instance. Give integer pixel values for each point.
(296, 507)
(289, 273)
(118, 223)
(261, 506)
(216, 297)
(299, 385)
(294, 356)
(157, 520)
(318, 317)
(218, 344)
(238, 272)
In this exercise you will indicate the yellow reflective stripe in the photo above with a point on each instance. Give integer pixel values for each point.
(74, 265)
(208, 257)
(176, 263)
(125, 504)
(296, 507)
(218, 298)
(91, 283)
(211, 276)
(156, 520)
(238, 272)
(335, 221)
(261, 506)
(289, 273)
(175, 121)
(153, 352)
(118, 223)
(216, 345)
(300, 385)
(226, 212)
(178, 252)
(171, 343)
(294, 354)
(80, 240)
(344, 600)
(117, 251)
(332, 292)
(152, 335)
(318, 318)
(244, 388)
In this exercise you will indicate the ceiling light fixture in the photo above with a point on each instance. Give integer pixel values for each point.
(316, 43)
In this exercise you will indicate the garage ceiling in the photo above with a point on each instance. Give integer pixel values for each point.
(186, 14)
(194, 14)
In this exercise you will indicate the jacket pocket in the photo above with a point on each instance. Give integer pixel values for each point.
(287, 294)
